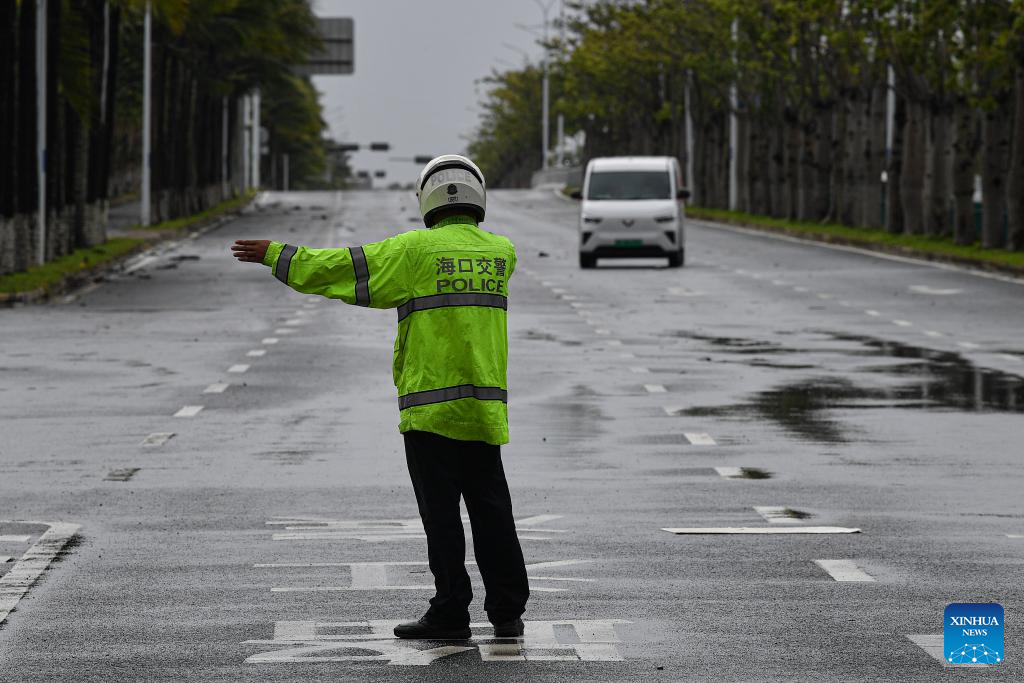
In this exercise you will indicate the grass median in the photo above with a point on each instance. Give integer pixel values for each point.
(54, 273)
(922, 246)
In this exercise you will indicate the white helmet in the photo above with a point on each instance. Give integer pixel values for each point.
(451, 181)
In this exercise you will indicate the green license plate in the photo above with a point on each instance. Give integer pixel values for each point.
(629, 243)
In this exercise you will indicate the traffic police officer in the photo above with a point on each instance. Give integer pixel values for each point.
(450, 286)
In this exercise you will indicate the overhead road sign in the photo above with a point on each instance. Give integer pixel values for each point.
(337, 55)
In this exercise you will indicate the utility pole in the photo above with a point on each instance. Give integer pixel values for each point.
(733, 129)
(690, 182)
(41, 27)
(224, 148)
(545, 94)
(284, 184)
(147, 94)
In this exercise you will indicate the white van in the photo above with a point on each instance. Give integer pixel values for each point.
(632, 207)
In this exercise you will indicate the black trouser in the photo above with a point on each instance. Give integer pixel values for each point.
(442, 470)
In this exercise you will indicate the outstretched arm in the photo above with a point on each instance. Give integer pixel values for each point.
(371, 275)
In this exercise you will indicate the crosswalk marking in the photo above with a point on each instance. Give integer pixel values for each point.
(238, 368)
(844, 570)
(217, 388)
(699, 439)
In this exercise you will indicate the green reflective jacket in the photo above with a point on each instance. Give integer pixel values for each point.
(450, 286)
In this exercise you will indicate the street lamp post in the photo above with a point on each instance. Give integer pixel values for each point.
(545, 94)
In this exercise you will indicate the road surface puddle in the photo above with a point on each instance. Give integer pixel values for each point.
(884, 375)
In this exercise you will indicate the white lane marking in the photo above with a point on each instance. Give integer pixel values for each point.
(968, 345)
(627, 354)
(825, 296)
(614, 342)
(934, 645)
(800, 289)
(157, 439)
(256, 353)
(763, 530)
(592, 640)
(903, 323)
(863, 252)
(1015, 535)
(141, 263)
(238, 368)
(1006, 356)
(775, 514)
(284, 330)
(933, 333)
(602, 331)
(872, 312)
(559, 290)
(570, 297)
(683, 291)
(639, 370)
(537, 519)
(293, 322)
(780, 283)
(846, 304)
(937, 291)
(218, 388)
(655, 388)
(699, 439)
(730, 472)
(381, 530)
(15, 539)
(188, 411)
(844, 570)
(269, 340)
(673, 411)
(27, 570)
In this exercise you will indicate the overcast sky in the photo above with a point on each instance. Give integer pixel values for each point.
(416, 67)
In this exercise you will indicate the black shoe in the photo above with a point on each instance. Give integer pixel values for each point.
(424, 630)
(509, 629)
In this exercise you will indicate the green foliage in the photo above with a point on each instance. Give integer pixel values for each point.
(52, 274)
(507, 141)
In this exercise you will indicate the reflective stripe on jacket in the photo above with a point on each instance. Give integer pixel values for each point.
(449, 285)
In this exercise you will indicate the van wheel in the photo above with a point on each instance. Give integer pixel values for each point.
(587, 261)
(677, 259)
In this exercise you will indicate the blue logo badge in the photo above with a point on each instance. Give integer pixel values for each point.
(973, 633)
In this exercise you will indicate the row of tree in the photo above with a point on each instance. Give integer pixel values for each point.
(869, 112)
(206, 56)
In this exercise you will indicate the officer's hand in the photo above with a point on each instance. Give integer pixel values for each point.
(250, 250)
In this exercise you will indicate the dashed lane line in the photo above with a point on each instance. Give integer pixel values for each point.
(14, 539)
(933, 333)
(269, 341)
(903, 323)
(729, 472)
(627, 354)
(873, 313)
(284, 330)
(240, 368)
(844, 570)
(761, 530)
(934, 646)
(673, 411)
(294, 322)
(800, 289)
(157, 439)
(699, 439)
(774, 514)
(614, 342)
(639, 370)
(256, 353)
(4, 559)
(1015, 535)
(1006, 356)
(188, 411)
(602, 331)
(217, 388)
(27, 570)
(655, 388)
(968, 345)
(822, 295)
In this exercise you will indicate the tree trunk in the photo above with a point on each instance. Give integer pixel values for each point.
(995, 136)
(912, 176)
(874, 158)
(937, 175)
(27, 180)
(965, 151)
(894, 171)
(1015, 177)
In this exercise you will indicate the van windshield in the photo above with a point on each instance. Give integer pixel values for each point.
(629, 185)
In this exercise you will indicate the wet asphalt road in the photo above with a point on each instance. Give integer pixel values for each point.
(254, 544)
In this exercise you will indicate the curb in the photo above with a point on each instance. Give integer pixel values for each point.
(78, 279)
(906, 252)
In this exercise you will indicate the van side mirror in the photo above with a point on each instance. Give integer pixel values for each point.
(683, 193)
(576, 194)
